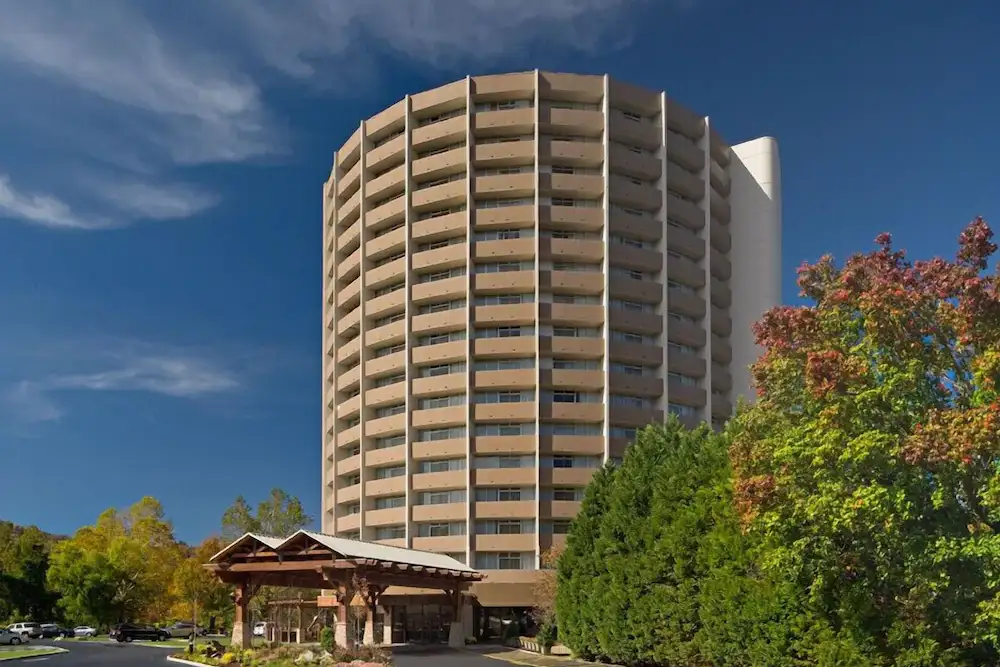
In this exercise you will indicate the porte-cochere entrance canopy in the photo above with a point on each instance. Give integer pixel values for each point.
(349, 568)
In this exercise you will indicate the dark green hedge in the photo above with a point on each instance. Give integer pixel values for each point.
(656, 570)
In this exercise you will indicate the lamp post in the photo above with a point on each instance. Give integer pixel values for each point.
(194, 626)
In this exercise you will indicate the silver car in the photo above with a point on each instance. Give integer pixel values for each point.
(184, 630)
(12, 638)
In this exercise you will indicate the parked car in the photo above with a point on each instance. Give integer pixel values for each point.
(259, 628)
(31, 630)
(126, 632)
(184, 630)
(52, 630)
(12, 638)
(85, 631)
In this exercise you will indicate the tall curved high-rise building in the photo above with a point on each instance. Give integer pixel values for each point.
(520, 270)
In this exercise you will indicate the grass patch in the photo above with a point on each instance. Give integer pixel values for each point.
(14, 654)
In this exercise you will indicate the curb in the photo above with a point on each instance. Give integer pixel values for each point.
(182, 661)
(499, 656)
(40, 651)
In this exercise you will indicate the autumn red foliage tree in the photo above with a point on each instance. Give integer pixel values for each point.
(870, 463)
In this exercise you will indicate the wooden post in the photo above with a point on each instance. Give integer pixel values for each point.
(242, 632)
(343, 634)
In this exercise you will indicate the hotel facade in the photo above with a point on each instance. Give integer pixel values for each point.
(520, 270)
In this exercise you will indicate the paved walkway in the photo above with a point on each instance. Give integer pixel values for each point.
(529, 659)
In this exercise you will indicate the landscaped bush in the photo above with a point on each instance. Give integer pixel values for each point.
(327, 639)
(546, 635)
(292, 656)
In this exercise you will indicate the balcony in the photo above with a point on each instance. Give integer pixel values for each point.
(640, 165)
(505, 122)
(637, 133)
(504, 154)
(635, 353)
(439, 228)
(390, 183)
(685, 152)
(387, 154)
(442, 512)
(684, 182)
(510, 509)
(571, 121)
(440, 165)
(446, 195)
(572, 153)
(441, 133)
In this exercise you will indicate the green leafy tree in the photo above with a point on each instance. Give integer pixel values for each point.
(279, 515)
(90, 586)
(134, 550)
(578, 565)
(631, 575)
(193, 584)
(869, 463)
(24, 561)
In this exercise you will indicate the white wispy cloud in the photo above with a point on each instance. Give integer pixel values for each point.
(170, 374)
(157, 202)
(199, 107)
(157, 91)
(301, 38)
(127, 202)
(43, 210)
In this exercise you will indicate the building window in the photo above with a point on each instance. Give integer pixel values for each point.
(626, 432)
(444, 465)
(505, 527)
(390, 533)
(492, 494)
(569, 461)
(390, 410)
(508, 396)
(560, 526)
(568, 494)
(524, 461)
(571, 429)
(443, 369)
(442, 529)
(504, 560)
(682, 410)
(441, 402)
(390, 502)
(496, 430)
(439, 339)
(436, 434)
(441, 497)
(390, 472)
(391, 441)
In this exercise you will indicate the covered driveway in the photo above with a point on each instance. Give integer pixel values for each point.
(350, 570)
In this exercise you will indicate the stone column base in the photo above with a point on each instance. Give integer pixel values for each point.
(387, 627)
(341, 636)
(456, 635)
(242, 635)
(369, 636)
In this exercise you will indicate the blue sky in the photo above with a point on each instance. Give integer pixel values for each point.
(161, 167)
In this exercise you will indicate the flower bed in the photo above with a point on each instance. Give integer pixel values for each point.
(215, 655)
